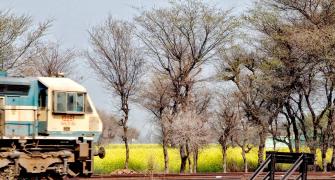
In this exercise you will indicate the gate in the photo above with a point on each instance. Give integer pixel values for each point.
(299, 160)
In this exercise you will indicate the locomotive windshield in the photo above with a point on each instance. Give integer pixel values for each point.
(13, 89)
(69, 102)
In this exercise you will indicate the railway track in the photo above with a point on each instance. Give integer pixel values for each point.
(205, 176)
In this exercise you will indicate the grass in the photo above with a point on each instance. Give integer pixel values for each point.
(149, 157)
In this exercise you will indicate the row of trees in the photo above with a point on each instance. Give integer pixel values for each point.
(286, 78)
(278, 59)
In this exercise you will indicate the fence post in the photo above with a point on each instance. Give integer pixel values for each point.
(303, 168)
(272, 166)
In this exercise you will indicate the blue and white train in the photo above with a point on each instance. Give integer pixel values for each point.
(48, 125)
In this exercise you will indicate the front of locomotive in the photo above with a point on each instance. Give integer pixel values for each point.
(48, 126)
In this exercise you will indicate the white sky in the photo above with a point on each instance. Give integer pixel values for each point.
(72, 19)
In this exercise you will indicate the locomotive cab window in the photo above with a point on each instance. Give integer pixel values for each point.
(13, 89)
(69, 102)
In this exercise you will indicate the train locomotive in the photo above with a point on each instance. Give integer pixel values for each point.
(48, 125)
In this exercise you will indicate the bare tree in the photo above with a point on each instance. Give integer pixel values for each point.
(254, 92)
(225, 124)
(193, 130)
(17, 37)
(180, 39)
(201, 101)
(245, 140)
(117, 60)
(155, 97)
(50, 60)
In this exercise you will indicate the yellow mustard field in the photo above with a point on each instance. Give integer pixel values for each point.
(149, 157)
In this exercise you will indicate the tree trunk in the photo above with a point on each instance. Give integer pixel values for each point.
(324, 161)
(195, 160)
(324, 146)
(313, 151)
(245, 163)
(290, 146)
(183, 158)
(296, 137)
(125, 139)
(125, 110)
(166, 154)
(333, 159)
(188, 152)
(189, 163)
(224, 157)
(331, 115)
(261, 147)
(295, 128)
(289, 143)
(274, 143)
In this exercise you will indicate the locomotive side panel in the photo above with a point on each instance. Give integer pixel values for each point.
(19, 107)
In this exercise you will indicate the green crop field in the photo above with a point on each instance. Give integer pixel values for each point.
(149, 157)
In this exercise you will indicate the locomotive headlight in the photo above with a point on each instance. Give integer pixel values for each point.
(101, 152)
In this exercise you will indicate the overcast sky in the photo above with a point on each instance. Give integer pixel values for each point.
(72, 19)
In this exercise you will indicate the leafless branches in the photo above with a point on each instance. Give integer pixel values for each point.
(183, 37)
(225, 123)
(17, 39)
(50, 60)
(191, 127)
(245, 140)
(155, 97)
(117, 60)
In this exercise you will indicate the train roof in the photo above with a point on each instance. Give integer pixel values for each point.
(16, 80)
(53, 83)
(61, 84)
